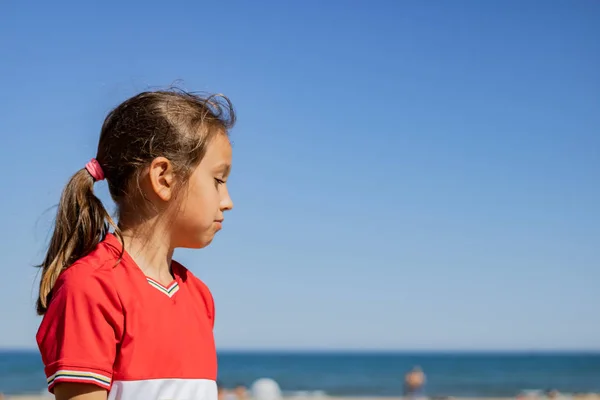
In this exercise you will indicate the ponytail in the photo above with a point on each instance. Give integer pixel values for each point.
(81, 223)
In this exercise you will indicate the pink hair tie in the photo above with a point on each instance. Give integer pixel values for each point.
(95, 170)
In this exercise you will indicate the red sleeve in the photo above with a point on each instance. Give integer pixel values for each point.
(79, 333)
(211, 307)
(209, 301)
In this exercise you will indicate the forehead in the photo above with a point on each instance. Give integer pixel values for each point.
(218, 151)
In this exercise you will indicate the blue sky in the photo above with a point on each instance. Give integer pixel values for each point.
(407, 175)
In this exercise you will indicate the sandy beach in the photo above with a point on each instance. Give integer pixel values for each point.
(579, 397)
(40, 397)
(33, 397)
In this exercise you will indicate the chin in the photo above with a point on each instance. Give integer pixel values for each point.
(198, 244)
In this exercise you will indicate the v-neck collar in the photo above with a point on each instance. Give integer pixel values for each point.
(169, 290)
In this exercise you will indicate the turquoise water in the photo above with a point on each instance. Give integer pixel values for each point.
(358, 374)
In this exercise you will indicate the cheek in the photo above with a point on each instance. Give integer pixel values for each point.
(203, 193)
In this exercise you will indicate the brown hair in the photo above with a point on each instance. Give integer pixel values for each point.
(172, 124)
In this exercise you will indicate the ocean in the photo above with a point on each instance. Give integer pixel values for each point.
(370, 374)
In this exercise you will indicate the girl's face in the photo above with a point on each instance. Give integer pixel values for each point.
(205, 199)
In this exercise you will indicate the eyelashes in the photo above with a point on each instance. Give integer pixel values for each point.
(219, 182)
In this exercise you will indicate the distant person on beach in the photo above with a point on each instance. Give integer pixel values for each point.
(554, 394)
(121, 319)
(221, 392)
(266, 389)
(240, 392)
(414, 383)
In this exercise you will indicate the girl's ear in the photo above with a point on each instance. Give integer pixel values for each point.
(162, 178)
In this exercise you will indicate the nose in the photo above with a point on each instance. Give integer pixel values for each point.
(226, 202)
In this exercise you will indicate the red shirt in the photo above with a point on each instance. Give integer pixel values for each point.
(109, 325)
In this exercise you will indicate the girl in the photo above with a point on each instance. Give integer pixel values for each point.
(122, 320)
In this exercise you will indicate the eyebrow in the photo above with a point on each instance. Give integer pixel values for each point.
(224, 168)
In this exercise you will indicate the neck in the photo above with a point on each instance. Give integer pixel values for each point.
(150, 248)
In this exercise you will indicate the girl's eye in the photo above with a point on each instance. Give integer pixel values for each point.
(219, 181)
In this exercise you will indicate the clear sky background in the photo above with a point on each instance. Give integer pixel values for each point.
(407, 174)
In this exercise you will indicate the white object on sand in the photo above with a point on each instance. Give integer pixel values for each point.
(266, 389)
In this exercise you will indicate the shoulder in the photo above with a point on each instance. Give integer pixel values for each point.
(196, 287)
(189, 279)
(85, 292)
(90, 276)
